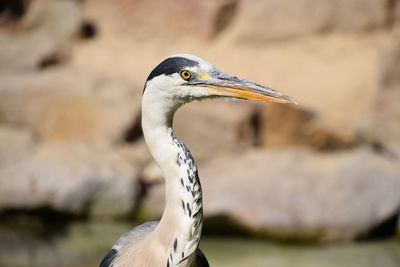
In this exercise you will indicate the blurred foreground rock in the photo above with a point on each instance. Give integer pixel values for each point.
(299, 194)
(303, 194)
(69, 178)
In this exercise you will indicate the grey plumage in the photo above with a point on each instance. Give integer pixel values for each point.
(136, 233)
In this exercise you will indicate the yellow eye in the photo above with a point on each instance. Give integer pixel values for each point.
(185, 74)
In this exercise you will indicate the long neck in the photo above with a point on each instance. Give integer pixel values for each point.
(180, 227)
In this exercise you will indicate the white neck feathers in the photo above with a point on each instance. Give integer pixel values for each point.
(181, 224)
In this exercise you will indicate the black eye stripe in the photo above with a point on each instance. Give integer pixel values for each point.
(171, 65)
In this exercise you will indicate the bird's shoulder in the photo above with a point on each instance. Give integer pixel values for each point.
(136, 233)
(129, 237)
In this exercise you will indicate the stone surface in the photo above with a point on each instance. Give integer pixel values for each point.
(62, 143)
(184, 18)
(383, 124)
(15, 144)
(69, 105)
(287, 125)
(302, 194)
(43, 36)
(135, 153)
(260, 20)
(360, 15)
(396, 12)
(70, 178)
(211, 128)
(389, 83)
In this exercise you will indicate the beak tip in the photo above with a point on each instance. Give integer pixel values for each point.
(289, 100)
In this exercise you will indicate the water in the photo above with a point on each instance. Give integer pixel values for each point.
(242, 252)
(83, 244)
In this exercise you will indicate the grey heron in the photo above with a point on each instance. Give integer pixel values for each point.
(174, 240)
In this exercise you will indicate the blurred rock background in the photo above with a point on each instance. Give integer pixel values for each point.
(72, 152)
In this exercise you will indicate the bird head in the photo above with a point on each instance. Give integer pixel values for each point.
(183, 78)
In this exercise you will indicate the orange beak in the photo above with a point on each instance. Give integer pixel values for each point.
(225, 85)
